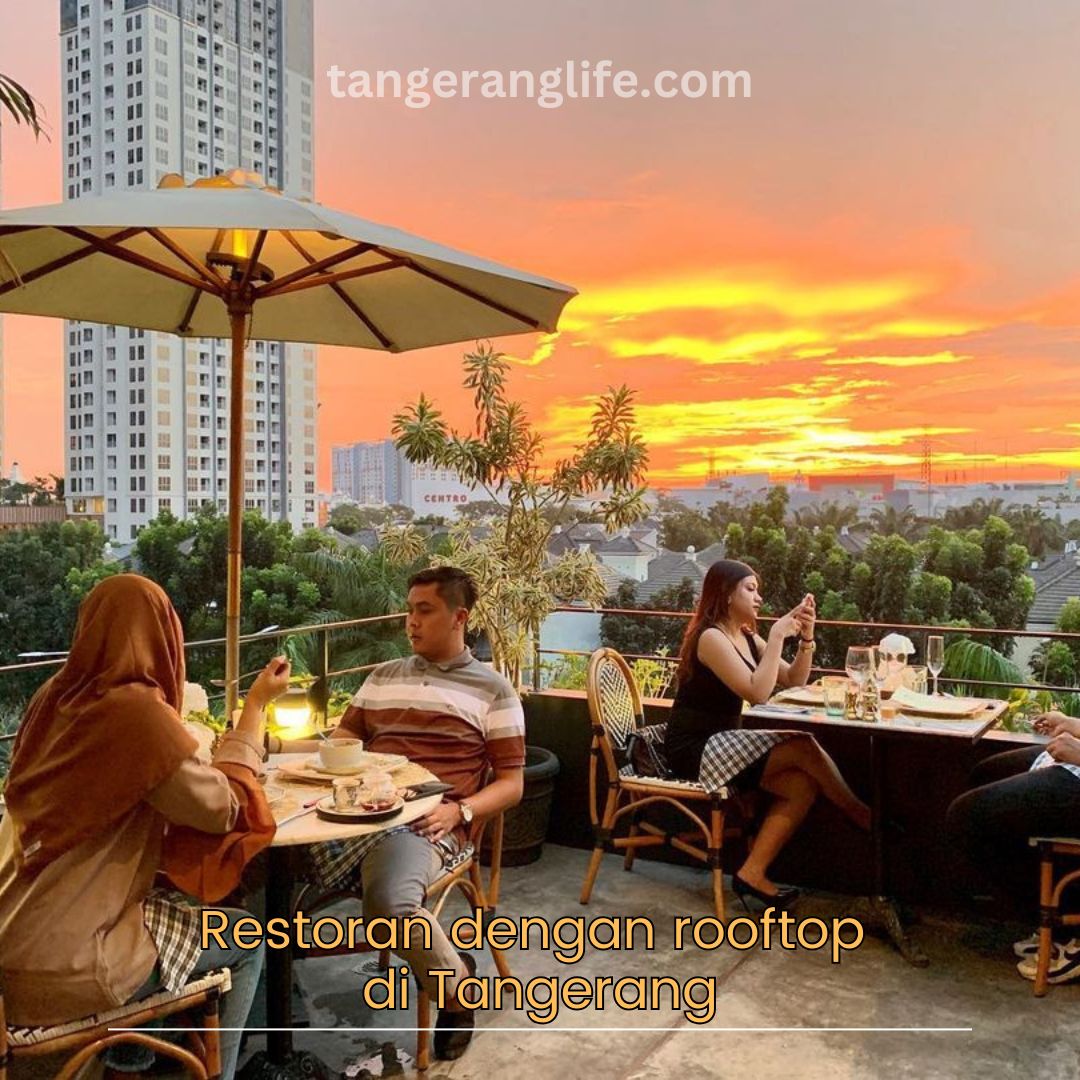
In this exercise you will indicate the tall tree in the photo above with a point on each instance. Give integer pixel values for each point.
(502, 455)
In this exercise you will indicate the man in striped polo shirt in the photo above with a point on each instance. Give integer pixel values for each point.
(445, 710)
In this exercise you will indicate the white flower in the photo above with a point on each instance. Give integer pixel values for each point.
(195, 699)
(896, 645)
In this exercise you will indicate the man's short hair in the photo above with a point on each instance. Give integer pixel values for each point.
(454, 585)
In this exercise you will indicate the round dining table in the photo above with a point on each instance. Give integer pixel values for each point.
(299, 827)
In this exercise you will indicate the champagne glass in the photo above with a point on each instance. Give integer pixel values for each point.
(935, 657)
(859, 666)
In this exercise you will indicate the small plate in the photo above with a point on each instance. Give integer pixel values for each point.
(312, 770)
(326, 809)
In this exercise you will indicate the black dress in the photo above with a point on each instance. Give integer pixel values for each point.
(705, 739)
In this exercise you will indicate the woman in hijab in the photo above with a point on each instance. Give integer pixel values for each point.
(724, 663)
(104, 791)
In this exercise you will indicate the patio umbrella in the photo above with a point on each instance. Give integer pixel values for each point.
(227, 257)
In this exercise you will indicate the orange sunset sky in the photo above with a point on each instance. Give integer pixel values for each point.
(882, 244)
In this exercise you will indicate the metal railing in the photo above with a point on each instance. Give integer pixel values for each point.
(878, 628)
(321, 675)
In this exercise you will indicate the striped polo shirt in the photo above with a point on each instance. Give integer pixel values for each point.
(455, 718)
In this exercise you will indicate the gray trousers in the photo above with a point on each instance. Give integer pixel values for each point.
(395, 876)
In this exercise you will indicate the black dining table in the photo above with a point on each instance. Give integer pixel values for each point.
(882, 735)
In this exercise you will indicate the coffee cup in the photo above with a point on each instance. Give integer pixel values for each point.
(341, 753)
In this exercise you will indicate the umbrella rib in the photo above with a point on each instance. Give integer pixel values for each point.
(317, 267)
(472, 294)
(332, 279)
(185, 322)
(57, 264)
(342, 295)
(108, 246)
(185, 256)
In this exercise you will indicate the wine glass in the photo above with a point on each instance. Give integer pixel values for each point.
(859, 666)
(935, 657)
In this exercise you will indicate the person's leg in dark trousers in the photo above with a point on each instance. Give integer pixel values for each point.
(991, 824)
(1002, 766)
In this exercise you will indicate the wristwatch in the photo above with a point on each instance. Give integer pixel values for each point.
(807, 644)
(466, 812)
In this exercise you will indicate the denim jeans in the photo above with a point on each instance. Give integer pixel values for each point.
(245, 966)
(990, 824)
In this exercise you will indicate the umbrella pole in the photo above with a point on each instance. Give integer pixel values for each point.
(238, 314)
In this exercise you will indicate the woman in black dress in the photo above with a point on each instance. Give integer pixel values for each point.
(722, 664)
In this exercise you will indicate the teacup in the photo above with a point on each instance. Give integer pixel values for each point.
(341, 753)
(347, 793)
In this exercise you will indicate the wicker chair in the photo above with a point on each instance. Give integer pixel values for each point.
(1050, 849)
(465, 876)
(616, 713)
(91, 1035)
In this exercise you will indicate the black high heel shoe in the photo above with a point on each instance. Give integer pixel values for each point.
(783, 899)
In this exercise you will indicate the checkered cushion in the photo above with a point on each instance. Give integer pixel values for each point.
(33, 1036)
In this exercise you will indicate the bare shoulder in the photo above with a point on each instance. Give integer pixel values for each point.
(712, 639)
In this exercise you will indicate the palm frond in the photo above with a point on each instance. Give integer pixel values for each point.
(22, 106)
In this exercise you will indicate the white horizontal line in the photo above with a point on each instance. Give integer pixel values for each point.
(544, 1027)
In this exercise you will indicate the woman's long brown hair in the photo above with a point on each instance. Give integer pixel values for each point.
(716, 592)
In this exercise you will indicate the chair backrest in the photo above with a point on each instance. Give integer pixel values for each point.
(614, 705)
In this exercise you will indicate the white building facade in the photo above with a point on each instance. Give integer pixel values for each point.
(195, 87)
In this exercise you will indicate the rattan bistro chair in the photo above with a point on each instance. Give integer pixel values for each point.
(1052, 848)
(465, 876)
(616, 714)
(89, 1036)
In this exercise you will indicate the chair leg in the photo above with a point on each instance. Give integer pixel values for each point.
(191, 1064)
(423, 1035)
(1047, 918)
(501, 966)
(631, 851)
(212, 1040)
(603, 833)
(716, 847)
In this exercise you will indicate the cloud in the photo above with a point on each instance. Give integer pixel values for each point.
(930, 360)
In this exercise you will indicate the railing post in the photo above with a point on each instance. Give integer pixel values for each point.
(536, 661)
(320, 689)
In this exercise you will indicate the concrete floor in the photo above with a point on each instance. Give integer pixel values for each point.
(971, 982)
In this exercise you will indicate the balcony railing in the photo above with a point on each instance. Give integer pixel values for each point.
(323, 674)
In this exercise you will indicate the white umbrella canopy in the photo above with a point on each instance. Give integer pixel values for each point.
(141, 258)
(228, 257)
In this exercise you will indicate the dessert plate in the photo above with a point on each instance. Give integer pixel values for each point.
(326, 809)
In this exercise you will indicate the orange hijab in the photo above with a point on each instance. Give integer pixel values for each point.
(105, 730)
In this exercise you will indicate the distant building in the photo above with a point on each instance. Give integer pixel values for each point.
(152, 87)
(369, 473)
(379, 474)
(1057, 579)
(31, 517)
(858, 484)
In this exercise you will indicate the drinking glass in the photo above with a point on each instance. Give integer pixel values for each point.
(860, 666)
(935, 657)
(914, 678)
(834, 691)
